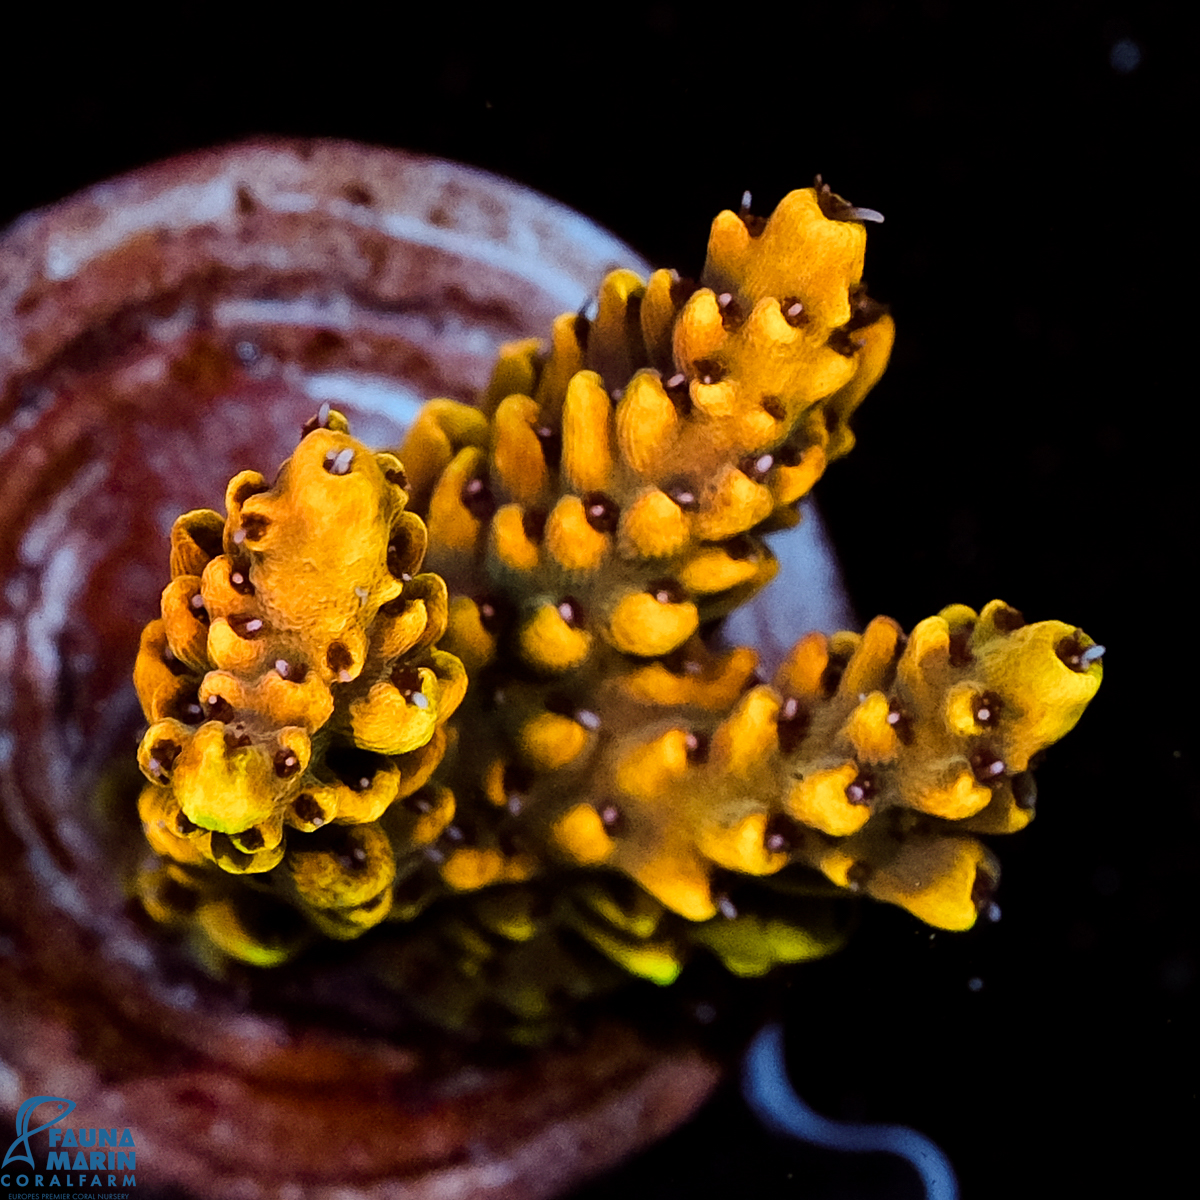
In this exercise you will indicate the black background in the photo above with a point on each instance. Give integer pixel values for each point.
(1032, 440)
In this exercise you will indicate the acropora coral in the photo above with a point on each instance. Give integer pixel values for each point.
(318, 762)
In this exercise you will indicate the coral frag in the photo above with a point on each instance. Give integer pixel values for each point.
(318, 764)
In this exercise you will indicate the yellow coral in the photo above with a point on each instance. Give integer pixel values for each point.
(609, 779)
(292, 681)
(873, 759)
(665, 429)
(834, 763)
(343, 880)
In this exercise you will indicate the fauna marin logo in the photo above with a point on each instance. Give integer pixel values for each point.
(79, 1163)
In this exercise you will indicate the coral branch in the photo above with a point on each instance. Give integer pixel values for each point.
(618, 499)
(292, 683)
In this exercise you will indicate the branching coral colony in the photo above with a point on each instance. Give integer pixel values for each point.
(318, 763)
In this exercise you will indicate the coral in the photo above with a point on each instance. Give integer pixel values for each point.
(612, 792)
(293, 684)
(871, 759)
(621, 522)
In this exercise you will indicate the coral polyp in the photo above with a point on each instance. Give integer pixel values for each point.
(537, 743)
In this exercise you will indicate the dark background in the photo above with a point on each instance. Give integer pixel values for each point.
(1033, 440)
